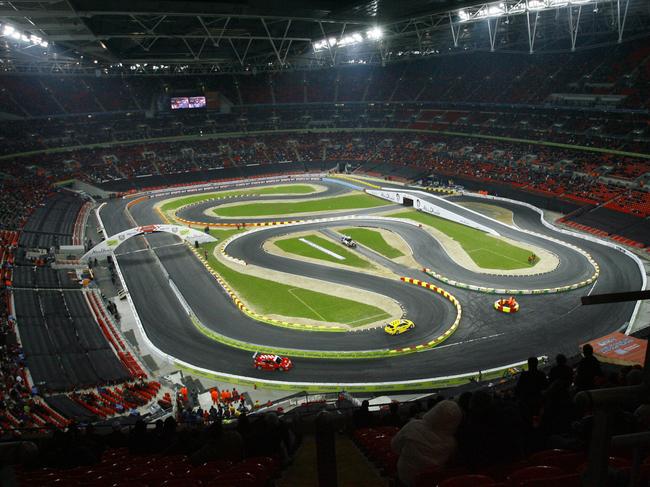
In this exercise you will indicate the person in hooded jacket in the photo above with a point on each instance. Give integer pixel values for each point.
(427, 442)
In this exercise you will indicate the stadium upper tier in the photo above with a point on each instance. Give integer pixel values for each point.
(578, 177)
(617, 76)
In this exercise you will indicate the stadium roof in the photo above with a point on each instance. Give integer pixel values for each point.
(143, 36)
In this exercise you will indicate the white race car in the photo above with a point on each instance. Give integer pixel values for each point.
(348, 242)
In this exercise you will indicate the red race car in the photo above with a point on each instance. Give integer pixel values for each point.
(269, 361)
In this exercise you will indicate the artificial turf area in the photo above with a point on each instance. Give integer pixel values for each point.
(486, 251)
(372, 239)
(348, 202)
(270, 297)
(298, 247)
(282, 189)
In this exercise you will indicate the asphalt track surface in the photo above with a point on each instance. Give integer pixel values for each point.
(546, 324)
(199, 211)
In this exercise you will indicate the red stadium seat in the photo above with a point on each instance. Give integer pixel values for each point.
(470, 480)
(517, 478)
(572, 480)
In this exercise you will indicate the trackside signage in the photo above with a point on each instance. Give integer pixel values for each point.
(107, 246)
(429, 207)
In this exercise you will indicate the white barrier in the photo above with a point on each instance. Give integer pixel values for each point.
(200, 188)
(397, 196)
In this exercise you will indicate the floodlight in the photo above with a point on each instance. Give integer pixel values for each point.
(536, 4)
(463, 15)
(374, 33)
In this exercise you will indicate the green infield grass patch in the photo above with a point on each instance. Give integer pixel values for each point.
(485, 250)
(261, 209)
(374, 240)
(298, 247)
(283, 189)
(270, 297)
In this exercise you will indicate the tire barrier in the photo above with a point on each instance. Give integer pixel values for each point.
(355, 180)
(440, 190)
(503, 306)
(491, 290)
(438, 340)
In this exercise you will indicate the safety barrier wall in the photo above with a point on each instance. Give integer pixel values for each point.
(240, 183)
(490, 290)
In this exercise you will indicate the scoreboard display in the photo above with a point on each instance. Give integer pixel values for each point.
(182, 102)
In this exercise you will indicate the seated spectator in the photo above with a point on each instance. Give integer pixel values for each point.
(427, 442)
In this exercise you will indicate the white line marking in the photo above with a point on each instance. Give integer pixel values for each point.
(367, 318)
(592, 287)
(312, 309)
(322, 249)
(469, 341)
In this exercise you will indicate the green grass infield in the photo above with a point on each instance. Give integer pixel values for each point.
(282, 189)
(485, 250)
(374, 240)
(298, 247)
(261, 209)
(270, 297)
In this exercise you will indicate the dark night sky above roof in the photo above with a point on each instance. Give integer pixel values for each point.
(380, 10)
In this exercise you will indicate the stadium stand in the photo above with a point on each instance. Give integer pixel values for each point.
(568, 132)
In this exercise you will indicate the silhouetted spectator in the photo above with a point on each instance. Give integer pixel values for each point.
(393, 417)
(561, 370)
(529, 389)
(138, 439)
(362, 418)
(559, 410)
(116, 439)
(587, 370)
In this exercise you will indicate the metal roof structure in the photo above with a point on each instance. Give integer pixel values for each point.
(200, 36)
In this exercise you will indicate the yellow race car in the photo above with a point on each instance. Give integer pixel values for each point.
(397, 327)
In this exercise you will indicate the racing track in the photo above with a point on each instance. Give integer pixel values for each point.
(547, 324)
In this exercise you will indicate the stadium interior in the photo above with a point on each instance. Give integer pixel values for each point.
(360, 243)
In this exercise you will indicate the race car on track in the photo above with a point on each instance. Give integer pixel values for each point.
(397, 327)
(348, 242)
(269, 361)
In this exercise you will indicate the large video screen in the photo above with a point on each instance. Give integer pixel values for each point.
(179, 102)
